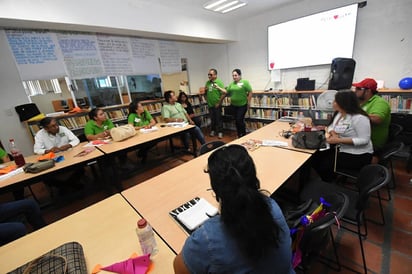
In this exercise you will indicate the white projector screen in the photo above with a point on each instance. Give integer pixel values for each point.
(312, 40)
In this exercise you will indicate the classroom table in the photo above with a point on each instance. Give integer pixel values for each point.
(164, 132)
(71, 159)
(273, 131)
(155, 197)
(106, 230)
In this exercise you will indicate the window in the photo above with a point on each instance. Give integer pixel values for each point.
(39, 87)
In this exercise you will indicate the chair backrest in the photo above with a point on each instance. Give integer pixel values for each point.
(316, 235)
(388, 150)
(205, 148)
(394, 131)
(371, 178)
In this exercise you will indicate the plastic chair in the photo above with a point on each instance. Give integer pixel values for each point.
(371, 178)
(318, 234)
(205, 148)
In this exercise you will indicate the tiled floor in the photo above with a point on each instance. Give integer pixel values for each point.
(388, 248)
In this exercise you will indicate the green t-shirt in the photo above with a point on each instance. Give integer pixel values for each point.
(2, 154)
(139, 120)
(238, 92)
(378, 106)
(91, 128)
(174, 111)
(213, 94)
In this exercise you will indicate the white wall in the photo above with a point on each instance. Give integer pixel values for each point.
(382, 47)
(12, 94)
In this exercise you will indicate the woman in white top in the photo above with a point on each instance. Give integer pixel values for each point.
(350, 130)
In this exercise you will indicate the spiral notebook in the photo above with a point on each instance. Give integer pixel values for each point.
(193, 213)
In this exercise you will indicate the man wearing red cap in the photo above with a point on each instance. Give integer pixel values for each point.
(378, 109)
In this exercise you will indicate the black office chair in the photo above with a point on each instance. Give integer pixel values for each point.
(205, 148)
(317, 235)
(371, 178)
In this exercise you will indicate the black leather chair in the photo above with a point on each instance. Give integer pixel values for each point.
(205, 148)
(371, 178)
(318, 234)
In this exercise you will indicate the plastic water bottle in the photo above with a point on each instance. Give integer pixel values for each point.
(146, 237)
(16, 153)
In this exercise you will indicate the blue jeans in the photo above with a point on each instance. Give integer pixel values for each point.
(198, 134)
(10, 213)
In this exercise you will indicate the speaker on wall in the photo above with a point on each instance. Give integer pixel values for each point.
(341, 73)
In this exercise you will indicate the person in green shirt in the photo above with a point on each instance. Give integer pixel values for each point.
(378, 110)
(141, 118)
(98, 127)
(240, 93)
(4, 157)
(172, 111)
(215, 93)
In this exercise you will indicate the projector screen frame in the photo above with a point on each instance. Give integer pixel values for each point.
(304, 56)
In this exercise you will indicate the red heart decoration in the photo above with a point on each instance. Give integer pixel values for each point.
(336, 16)
(272, 65)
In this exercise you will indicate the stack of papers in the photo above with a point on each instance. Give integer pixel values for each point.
(147, 130)
(274, 143)
(11, 173)
(177, 124)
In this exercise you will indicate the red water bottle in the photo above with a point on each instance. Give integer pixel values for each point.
(16, 153)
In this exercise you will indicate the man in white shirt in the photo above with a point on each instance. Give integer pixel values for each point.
(53, 138)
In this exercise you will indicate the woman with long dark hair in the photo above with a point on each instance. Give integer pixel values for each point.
(351, 131)
(250, 235)
(139, 117)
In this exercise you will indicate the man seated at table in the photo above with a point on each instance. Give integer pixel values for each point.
(11, 213)
(55, 138)
(172, 111)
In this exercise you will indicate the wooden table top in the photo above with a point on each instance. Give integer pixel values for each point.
(70, 159)
(141, 138)
(106, 230)
(155, 197)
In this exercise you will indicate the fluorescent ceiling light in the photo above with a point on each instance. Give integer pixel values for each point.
(224, 6)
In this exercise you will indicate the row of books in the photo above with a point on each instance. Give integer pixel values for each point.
(278, 102)
(398, 103)
(197, 100)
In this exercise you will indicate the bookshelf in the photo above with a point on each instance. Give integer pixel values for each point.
(200, 108)
(76, 121)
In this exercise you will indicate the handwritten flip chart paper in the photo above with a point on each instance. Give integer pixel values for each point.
(145, 56)
(116, 55)
(36, 53)
(170, 60)
(81, 55)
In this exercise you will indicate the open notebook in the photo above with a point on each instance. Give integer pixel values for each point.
(192, 214)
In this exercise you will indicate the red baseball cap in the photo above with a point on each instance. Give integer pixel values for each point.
(368, 83)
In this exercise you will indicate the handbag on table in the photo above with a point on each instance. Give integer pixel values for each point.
(309, 139)
(67, 258)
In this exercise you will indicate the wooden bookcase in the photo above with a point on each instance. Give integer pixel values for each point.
(117, 113)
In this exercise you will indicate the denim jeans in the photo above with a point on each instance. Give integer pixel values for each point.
(11, 227)
(216, 119)
(239, 114)
(197, 133)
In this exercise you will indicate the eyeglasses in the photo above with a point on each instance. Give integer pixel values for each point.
(209, 74)
(357, 89)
